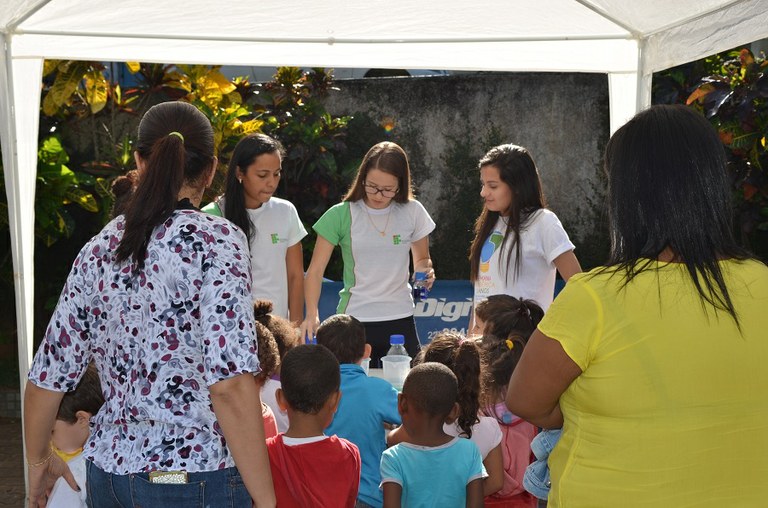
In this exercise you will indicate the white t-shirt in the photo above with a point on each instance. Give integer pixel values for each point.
(62, 495)
(276, 228)
(541, 241)
(268, 397)
(486, 434)
(375, 247)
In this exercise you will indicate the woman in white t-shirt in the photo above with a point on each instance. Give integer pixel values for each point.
(518, 244)
(377, 226)
(272, 224)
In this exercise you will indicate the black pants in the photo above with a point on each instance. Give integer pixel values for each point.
(377, 335)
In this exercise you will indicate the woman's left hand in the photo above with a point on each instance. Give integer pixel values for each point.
(43, 477)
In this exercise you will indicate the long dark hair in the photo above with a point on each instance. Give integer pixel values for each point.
(245, 153)
(463, 358)
(176, 143)
(389, 158)
(668, 188)
(518, 171)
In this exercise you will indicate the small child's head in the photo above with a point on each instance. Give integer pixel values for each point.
(72, 425)
(430, 390)
(285, 335)
(463, 357)
(122, 191)
(499, 315)
(310, 379)
(344, 336)
(510, 322)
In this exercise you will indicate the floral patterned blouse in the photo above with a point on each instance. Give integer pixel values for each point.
(159, 339)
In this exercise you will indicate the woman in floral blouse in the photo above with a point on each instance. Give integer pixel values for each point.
(160, 300)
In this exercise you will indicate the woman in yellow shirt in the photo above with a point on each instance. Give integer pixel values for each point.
(655, 365)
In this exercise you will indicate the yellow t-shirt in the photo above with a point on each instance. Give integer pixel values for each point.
(671, 408)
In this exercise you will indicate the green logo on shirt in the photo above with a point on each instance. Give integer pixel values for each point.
(396, 239)
(274, 237)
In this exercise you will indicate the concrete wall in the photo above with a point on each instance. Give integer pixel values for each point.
(447, 123)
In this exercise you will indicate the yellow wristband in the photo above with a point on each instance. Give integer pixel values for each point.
(42, 462)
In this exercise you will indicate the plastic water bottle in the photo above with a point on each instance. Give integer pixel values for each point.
(396, 363)
(397, 346)
(420, 290)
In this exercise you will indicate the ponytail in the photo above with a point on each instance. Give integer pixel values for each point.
(502, 356)
(467, 370)
(463, 358)
(155, 197)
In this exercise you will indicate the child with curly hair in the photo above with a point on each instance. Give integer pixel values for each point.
(284, 337)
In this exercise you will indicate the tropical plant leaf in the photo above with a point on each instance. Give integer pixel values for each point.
(103, 187)
(745, 141)
(82, 198)
(50, 66)
(64, 86)
(698, 95)
(52, 152)
(96, 90)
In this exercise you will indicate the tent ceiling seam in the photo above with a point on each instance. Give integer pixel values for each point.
(325, 40)
(14, 23)
(636, 34)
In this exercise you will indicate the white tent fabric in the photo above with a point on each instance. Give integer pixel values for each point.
(627, 40)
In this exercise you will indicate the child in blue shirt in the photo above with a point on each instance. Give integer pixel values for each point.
(367, 403)
(432, 469)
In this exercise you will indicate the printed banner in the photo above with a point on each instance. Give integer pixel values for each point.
(447, 307)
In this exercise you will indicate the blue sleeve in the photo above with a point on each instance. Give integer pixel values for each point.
(475, 468)
(388, 406)
(390, 467)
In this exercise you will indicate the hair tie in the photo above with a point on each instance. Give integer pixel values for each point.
(177, 134)
(510, 344)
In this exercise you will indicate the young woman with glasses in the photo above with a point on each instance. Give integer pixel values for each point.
(377, 225)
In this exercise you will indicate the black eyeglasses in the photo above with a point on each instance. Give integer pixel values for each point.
(373, 190)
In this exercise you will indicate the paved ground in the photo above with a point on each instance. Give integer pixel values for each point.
(12, 487)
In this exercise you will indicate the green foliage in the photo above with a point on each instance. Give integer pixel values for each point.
(731, 89)
(292, 110)
(57, 186)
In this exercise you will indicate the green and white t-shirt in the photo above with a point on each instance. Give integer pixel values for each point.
(276, 227)
(375, 247)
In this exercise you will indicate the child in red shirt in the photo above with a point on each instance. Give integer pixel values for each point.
(308, 467)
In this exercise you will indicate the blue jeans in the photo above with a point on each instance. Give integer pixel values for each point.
(215, 489)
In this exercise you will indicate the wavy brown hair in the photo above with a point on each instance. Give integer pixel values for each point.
(463, 357)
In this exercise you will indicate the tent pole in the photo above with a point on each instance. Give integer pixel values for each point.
(20, 113)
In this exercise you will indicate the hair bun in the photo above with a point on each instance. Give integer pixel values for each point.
(124, 184)
(261, 308)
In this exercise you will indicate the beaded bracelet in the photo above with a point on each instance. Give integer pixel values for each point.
(42, 462)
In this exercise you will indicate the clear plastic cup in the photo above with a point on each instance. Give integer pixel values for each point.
(365, 363)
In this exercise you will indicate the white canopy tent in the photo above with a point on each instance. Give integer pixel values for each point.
(628, 40)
